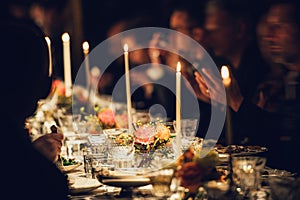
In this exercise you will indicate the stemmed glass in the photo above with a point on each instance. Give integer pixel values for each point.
(188, 131)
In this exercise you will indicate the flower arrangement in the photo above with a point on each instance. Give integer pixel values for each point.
(193, 171)
(151, 136)
(104, 118)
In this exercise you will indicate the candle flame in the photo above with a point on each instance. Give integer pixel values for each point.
(178, 68)
(224, 72)
(48, 40)
(85, 46)
(126, 47)
(65, 37)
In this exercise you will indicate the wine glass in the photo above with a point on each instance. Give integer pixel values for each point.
(188, 131)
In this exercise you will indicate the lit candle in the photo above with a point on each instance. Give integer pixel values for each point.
(227, 81)
(85, 47)
(50, 55)
(128, 96)
(67, 64)
(178, 106)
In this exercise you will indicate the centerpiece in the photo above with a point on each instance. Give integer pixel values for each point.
(149, 138)
(103, 118)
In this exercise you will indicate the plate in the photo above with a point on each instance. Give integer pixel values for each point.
(268, 172)
(129, 173)
(238, 150)
(69, 168)
(114, 131)
(127, 182)
(83, 185)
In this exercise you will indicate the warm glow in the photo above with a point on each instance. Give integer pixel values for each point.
(224, 72)
(85, 46)
(126, 47)
(48, 40)
(65, 37)
(178, 68)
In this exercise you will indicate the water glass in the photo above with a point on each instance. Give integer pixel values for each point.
(75, 143)
(93, 163)
(246, 172)
(122, 153)
(123, 156)
(188, 131)
(161, 182)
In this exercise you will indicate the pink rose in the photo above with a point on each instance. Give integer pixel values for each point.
(145, 135)
(107, 117)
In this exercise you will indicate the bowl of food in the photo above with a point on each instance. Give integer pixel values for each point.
(68, 164)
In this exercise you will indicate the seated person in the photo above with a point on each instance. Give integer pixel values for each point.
(271, 116)
(29, 169)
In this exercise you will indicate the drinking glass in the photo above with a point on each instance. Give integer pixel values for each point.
(161, 182)
(122, 153)
(94, 163)
(188, 131)
(246, 172)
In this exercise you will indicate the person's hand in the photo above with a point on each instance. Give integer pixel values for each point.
(235, 98)
(215, 93)
(49, 145)
(202, 93)
(211, 88)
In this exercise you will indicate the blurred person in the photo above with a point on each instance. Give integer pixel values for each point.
(283, 46)
(231, 26)
(272, 116)
(29, 167)
(272, 83)
(187, 18)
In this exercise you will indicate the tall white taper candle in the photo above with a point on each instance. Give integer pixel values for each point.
(67, 64)
(128, 95)
(50, 55)
(178, 106)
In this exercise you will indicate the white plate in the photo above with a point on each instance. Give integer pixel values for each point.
(127, 182)
(83, 185)
(114, 131)
(129, 173)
